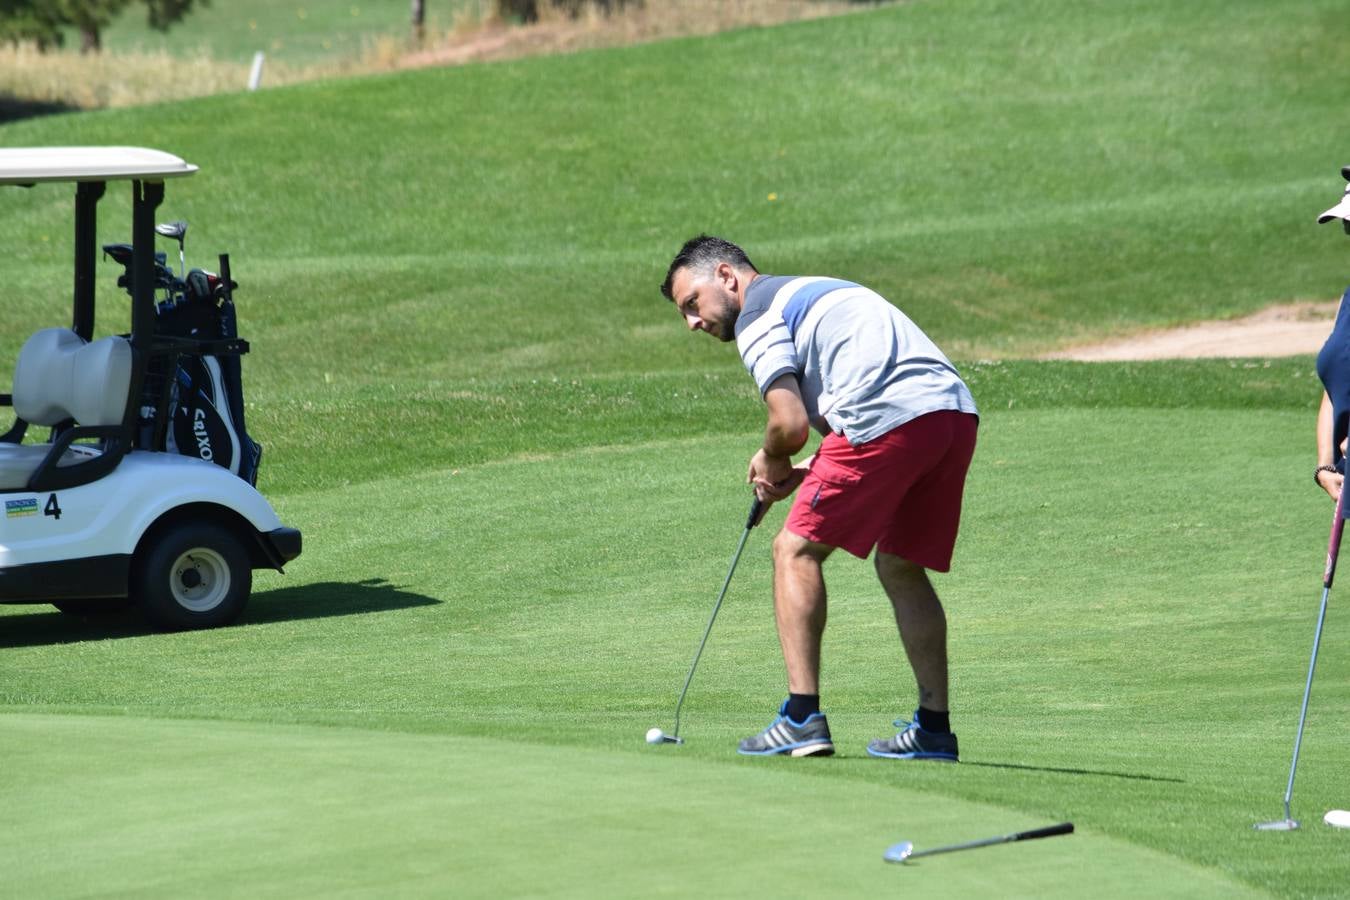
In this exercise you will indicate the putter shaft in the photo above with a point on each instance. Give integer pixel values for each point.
(753, 519)
(1289, 823)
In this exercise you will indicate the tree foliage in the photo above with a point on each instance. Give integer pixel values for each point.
(42, 21)
(30, 20)
(528, 10)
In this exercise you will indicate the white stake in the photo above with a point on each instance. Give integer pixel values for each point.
(255, 76)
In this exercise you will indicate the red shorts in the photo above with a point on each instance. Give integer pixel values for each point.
(900, 493)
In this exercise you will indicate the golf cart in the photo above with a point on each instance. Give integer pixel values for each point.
(111, 509)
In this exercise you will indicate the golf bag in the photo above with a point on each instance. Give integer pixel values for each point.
(206, 392)
(192, 400)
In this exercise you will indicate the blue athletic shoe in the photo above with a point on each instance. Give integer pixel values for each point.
(912, 742)
(809, 738)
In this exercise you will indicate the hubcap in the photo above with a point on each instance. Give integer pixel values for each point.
(200, 579)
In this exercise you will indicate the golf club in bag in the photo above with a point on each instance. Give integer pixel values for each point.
(1289, 823)
(192, 401)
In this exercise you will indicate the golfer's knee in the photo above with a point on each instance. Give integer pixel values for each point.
(889, 565)
(790, 549)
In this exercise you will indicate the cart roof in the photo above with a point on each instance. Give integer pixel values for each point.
(29, 165)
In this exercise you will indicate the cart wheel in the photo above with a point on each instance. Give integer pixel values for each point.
(193, 576)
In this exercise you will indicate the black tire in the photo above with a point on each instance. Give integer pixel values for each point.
(194, 575)
(105, 607)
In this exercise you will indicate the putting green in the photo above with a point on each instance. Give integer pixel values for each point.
(157, 807)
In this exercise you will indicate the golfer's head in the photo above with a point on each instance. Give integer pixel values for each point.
(706, 282)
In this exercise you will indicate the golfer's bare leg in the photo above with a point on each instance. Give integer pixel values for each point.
(799, 606)
(922, 623)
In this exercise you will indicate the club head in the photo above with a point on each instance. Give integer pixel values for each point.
(175, 230)
(657, 736)
(898, 853)
(1277, 825)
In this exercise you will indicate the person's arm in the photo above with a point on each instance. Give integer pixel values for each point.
(1329, 481)
(785, 433)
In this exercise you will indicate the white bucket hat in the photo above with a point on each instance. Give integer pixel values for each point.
(1340, 210)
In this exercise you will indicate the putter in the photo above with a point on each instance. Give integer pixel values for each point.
(1289, 823)
(756, 508)
(904, 851)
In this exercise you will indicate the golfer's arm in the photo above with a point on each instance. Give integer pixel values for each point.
(788, 427)
(1324, 436)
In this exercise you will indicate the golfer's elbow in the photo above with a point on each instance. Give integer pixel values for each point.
(785, 436)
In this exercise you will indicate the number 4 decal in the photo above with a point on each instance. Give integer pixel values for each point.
(52, 508)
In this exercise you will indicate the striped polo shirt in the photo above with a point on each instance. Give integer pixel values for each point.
(864, 367)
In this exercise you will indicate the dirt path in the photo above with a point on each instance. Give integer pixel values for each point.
(632, 24)
(1286, 330)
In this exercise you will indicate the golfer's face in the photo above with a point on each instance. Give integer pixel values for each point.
(706, 304)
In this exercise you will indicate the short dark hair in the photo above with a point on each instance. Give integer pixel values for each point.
(702, 254)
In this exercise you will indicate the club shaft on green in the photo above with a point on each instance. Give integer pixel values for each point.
(1063, 828)
(969, 845)
(750, 523)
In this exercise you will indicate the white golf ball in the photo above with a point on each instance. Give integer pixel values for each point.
(1337, 818)
(655, 736)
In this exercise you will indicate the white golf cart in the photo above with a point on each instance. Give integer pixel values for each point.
(108, 511)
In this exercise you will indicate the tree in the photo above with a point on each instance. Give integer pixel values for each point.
(41, 21)
(524, 10)
(30, 20)
(528, 10)
(419, 22)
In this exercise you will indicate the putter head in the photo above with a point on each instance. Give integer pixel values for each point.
(673, 739)
(1277, 825)
(898, 853)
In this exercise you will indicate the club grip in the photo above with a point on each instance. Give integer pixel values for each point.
(756, 509)
(1050, 831)
(1334, 541)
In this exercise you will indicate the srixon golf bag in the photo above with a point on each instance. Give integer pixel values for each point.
(192, 400)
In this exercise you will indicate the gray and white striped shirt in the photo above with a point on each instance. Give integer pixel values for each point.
(864, 367)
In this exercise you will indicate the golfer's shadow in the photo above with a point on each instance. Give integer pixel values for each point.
(1096, 773)
(47, 626)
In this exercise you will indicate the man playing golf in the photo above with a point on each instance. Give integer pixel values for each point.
(899, 430)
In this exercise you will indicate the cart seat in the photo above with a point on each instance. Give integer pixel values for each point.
(59, 377)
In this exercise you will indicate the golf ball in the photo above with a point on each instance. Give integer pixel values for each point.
(655, 736)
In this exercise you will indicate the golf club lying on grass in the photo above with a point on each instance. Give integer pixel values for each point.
(904, 851)
(1289, 823)
(656, 735)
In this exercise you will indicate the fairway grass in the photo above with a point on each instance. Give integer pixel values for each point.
(1117, 642)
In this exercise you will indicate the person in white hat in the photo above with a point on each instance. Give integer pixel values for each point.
(1333, 367)
(1333, 420)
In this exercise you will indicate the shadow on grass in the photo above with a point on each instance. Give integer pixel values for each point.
(310, 601)
(1093, 772)
(12, 109)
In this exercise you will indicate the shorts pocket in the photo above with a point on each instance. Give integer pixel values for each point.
(829, 480)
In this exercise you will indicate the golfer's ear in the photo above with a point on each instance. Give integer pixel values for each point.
(727, 275)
